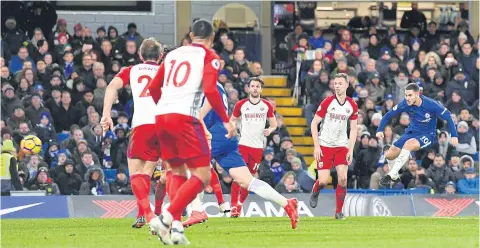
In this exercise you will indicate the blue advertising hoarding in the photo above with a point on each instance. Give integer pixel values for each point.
(18, 207)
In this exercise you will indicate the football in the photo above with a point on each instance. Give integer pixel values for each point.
(31, 145)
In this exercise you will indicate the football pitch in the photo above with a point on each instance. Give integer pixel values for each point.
(355, 232)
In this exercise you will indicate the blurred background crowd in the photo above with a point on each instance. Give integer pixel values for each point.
(53, 82)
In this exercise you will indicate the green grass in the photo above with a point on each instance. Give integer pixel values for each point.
(356, 232)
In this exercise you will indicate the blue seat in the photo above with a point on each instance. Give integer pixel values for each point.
(110, 174)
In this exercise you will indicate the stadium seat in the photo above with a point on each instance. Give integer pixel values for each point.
(110, 175)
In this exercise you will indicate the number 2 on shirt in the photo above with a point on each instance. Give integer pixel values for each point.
(176, 83)
(145, 92)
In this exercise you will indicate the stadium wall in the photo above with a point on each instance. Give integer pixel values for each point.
(160, 23)
(13, 207)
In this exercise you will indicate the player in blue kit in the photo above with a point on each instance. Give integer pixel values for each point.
(421, 132)
(226, 154)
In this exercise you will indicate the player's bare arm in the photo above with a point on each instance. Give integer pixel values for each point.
(110, 95)
(317, 152)
(272, 121)
(351, 141)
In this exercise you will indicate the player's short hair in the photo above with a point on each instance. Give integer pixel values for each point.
(202, 29)
(257, 79)
(412, 86)
(342, 75)
(150, 49)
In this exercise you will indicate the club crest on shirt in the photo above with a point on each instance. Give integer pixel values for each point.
(347, 110)
(262, 108)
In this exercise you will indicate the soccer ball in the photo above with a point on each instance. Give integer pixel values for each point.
(31, 145)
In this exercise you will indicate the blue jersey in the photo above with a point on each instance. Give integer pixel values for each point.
(214, 124)
(423, 118)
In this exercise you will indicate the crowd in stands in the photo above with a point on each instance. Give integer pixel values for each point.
(53, 87)
(445, 66)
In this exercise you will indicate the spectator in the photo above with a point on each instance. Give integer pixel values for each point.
(469, 184)
(86, 72)
(408, 177)
(317, 40)
(377, 175)
(69, 181)
(130, 56)
(301, 176)
(43, 182)
(450, 188)
(13, 37)
(467, 89)
(61, 29)
(94, 183)
(466, 140)
(414, 17)
(468, 59)
(16, 63)
(117, 43)
(432, 37)
(85, 164)
(35, 111)
(132, 35)
(288, 184)
(366, 163)
(121, 185)
(44, 129)
(439, 173)
(65, 115)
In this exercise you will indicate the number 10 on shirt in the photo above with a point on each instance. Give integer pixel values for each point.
(175, 78)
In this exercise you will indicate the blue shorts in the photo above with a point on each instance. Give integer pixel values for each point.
(425, 140)
(229, 160)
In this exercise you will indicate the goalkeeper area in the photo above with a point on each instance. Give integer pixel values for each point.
(358, 232)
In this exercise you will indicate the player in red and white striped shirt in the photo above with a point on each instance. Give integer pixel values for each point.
(143, 151)
(333, 147)
(253, 113)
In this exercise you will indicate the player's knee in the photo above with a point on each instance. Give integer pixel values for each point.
(342, 181)
(411, 145)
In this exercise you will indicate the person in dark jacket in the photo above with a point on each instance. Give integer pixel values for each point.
(414, 17)
(43, 182)
(436, 90)
(35, 111)
(13, 36)
(432, 37)
(468, 59)
(40, 14)
(467, 88)
(69, 182)
(121, 185)
(366, 163)
(44, 129)
(132, 34)
(65, 115)
(94, 183)
(118, 43)
(439, 173)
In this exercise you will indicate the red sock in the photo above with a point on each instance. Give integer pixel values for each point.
(243, 195)
(140, 210)
(340, 193)
(160, 192)
(174, 187)
(140, 188)
(185, 194)
(217, 188)
(235, 191)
